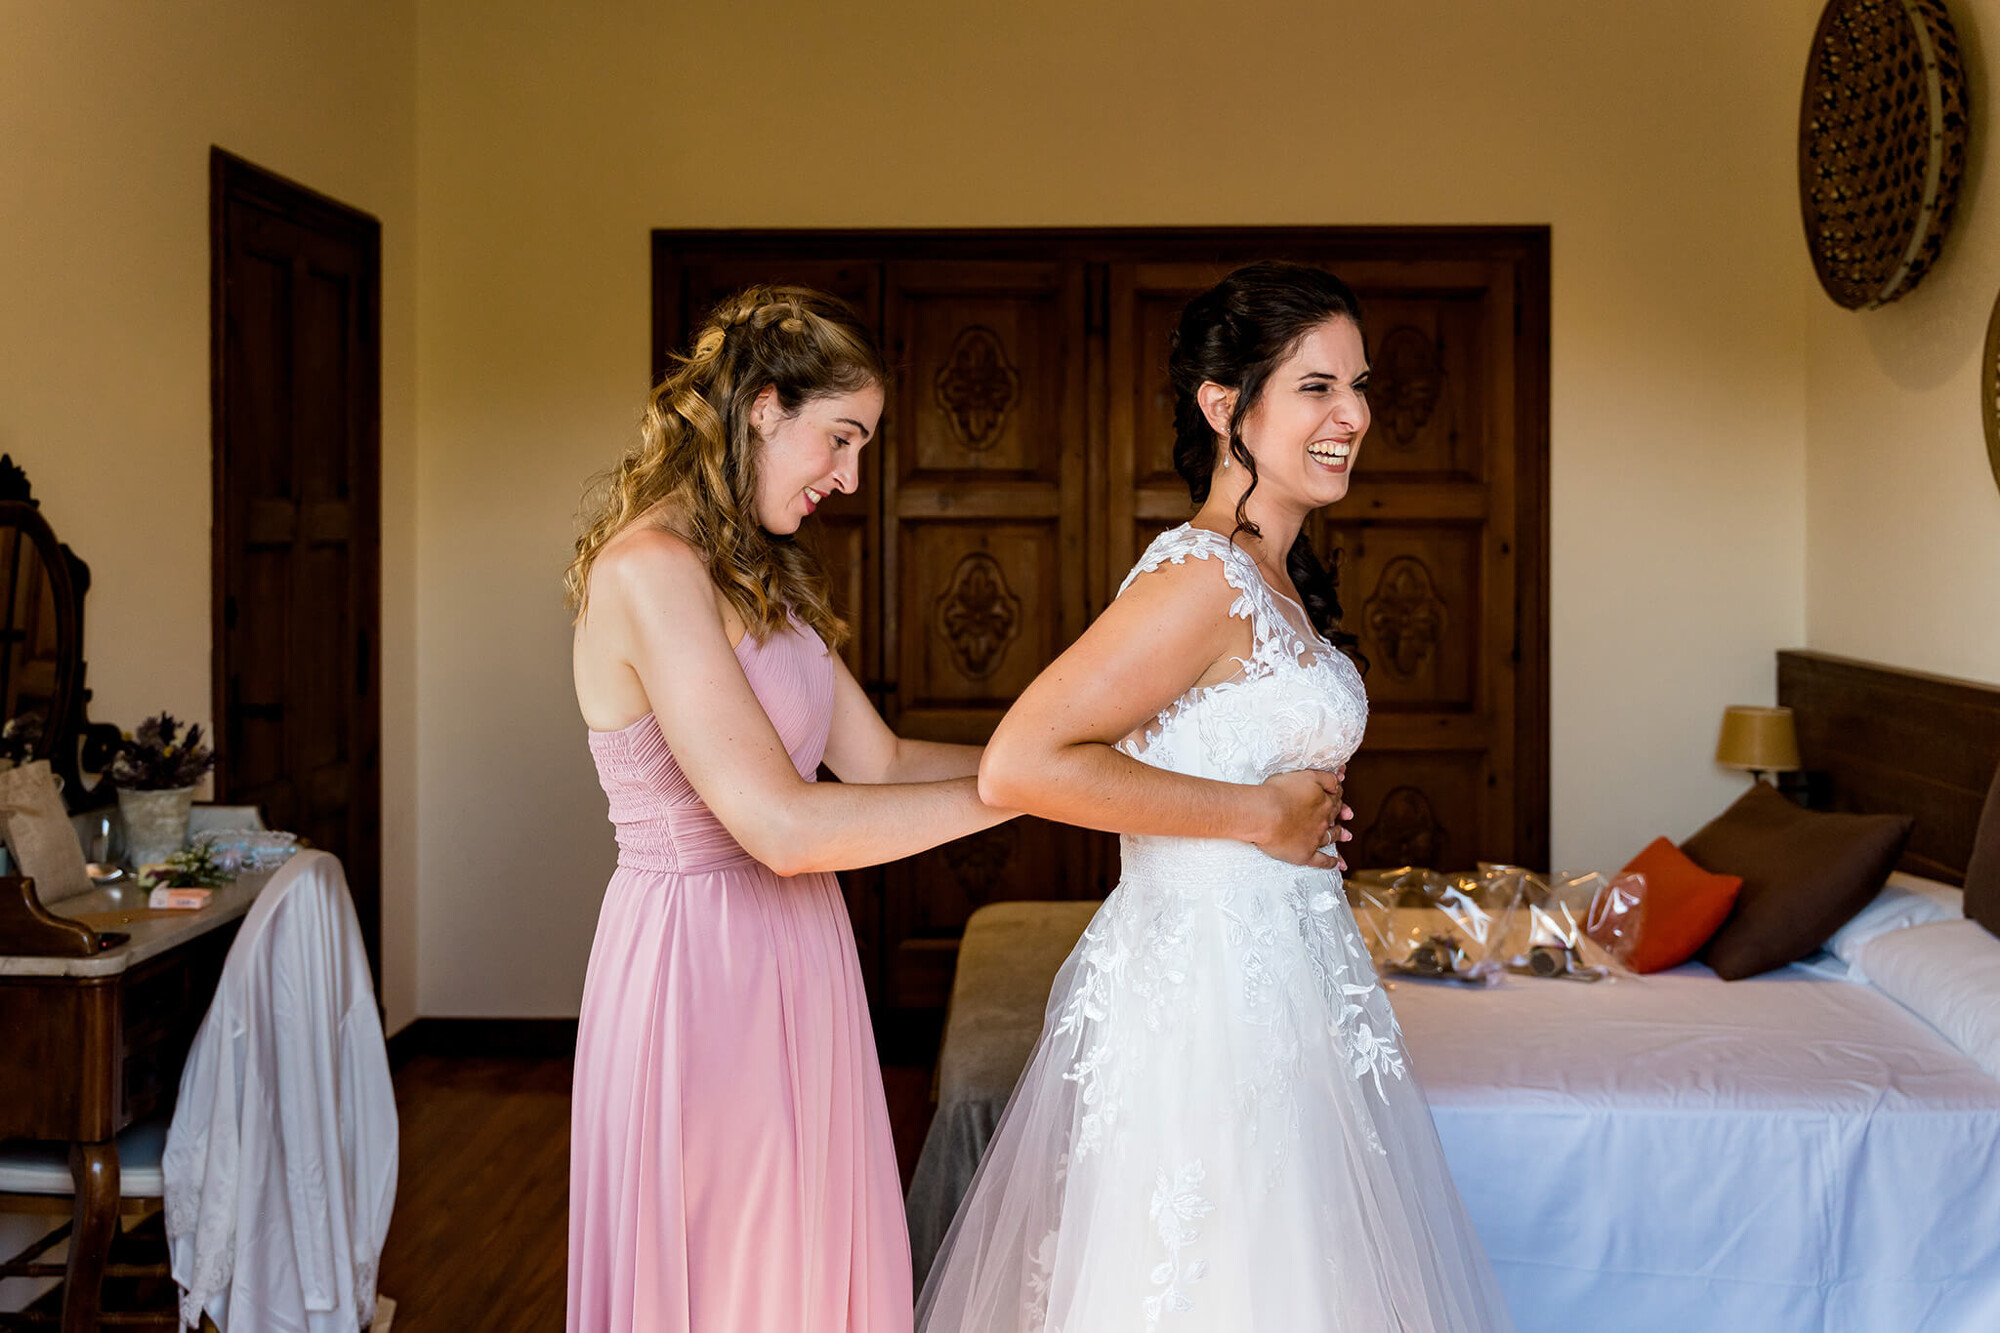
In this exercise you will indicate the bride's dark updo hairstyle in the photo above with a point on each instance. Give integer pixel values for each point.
(1235, 334)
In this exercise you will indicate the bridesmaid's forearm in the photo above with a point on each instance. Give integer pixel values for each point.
(844, 826)
(933, 761)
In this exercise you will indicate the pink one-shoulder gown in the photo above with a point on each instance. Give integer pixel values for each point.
(731, 1166)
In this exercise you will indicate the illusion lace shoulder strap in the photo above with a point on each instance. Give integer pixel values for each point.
(1254, 601)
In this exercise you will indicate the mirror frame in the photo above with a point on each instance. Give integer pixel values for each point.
(73, 741)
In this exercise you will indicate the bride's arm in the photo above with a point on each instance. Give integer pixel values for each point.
(1053, 754)
(659, 612)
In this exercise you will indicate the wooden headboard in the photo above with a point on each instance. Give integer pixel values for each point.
(1899, 742)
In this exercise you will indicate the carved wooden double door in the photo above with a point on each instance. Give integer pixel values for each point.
(1025, 460)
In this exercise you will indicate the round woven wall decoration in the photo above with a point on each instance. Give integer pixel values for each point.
(1989, 390)
(1882, 131)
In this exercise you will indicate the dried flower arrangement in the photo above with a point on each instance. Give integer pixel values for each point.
(160, 756)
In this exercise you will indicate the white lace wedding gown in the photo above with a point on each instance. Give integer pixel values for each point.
(1219, 1129)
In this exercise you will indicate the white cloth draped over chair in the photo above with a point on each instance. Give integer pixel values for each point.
(281, 1162)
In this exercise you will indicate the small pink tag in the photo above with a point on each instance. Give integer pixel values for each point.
(168, 899)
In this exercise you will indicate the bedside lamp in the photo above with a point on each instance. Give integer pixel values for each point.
(1761, 740)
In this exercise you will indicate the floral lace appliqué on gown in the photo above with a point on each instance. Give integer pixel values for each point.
(1219, 1128)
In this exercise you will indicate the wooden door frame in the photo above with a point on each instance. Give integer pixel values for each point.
(235, 178)
(1525, 249)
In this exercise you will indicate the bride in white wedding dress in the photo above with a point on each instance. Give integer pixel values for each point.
(1219, 1128)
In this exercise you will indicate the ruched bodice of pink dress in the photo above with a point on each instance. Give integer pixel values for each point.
(731, 1166)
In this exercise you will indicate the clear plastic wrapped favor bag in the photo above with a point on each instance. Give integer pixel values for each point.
(1546, 931)
(1476, 928)
(1616, 913)
(1418, 923)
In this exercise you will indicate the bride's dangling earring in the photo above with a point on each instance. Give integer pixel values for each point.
(1225, 458)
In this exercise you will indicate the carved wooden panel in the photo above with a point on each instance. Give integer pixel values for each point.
(985, 533)
(1427, 385)
(1412, 594)
(1421, 809)
(984, 354)
(981, 605)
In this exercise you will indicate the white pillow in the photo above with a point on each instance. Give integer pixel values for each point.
(1948, 974)
(1905, 901)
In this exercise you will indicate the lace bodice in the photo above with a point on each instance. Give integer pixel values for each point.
(1294, 702)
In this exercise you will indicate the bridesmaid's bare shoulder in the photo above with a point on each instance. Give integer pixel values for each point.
(650, 565)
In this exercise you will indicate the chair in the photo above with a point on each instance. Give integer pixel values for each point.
(35, 1178)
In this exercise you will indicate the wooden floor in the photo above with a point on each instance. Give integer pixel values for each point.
(482, 1199)
(479, 1239)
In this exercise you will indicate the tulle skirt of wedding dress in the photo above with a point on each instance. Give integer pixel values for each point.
(1219, 1130)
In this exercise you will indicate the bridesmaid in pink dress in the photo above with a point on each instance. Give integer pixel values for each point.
(731, 1169)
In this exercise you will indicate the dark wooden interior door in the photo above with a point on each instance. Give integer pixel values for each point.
(1026, 459)
(297, 538)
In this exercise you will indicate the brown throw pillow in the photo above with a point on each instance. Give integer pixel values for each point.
(1804, 876)
(1982, 873)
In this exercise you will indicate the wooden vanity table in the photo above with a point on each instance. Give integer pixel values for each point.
(90, 1045)
(91, 1039)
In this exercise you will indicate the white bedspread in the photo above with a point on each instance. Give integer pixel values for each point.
(1685, 1154)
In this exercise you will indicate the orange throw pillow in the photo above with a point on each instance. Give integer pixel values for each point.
(1684, 906)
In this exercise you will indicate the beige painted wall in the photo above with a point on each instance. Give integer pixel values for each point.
(1903, 511)
(1657, 140)
(107, 112)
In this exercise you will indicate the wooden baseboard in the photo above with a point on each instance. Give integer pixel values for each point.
(535, 1038)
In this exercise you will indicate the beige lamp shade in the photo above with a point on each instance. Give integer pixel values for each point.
(1761, 739)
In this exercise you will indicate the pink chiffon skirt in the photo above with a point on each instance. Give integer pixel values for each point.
(732, 1169)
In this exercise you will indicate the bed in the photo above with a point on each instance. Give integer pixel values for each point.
(1789, 1152)
(1797, 1151)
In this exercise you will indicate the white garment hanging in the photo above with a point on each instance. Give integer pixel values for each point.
(281, 1162)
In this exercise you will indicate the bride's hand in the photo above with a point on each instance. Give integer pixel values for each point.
(1304, 818)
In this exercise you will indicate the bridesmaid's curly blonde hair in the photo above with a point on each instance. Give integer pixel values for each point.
(697, 451)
